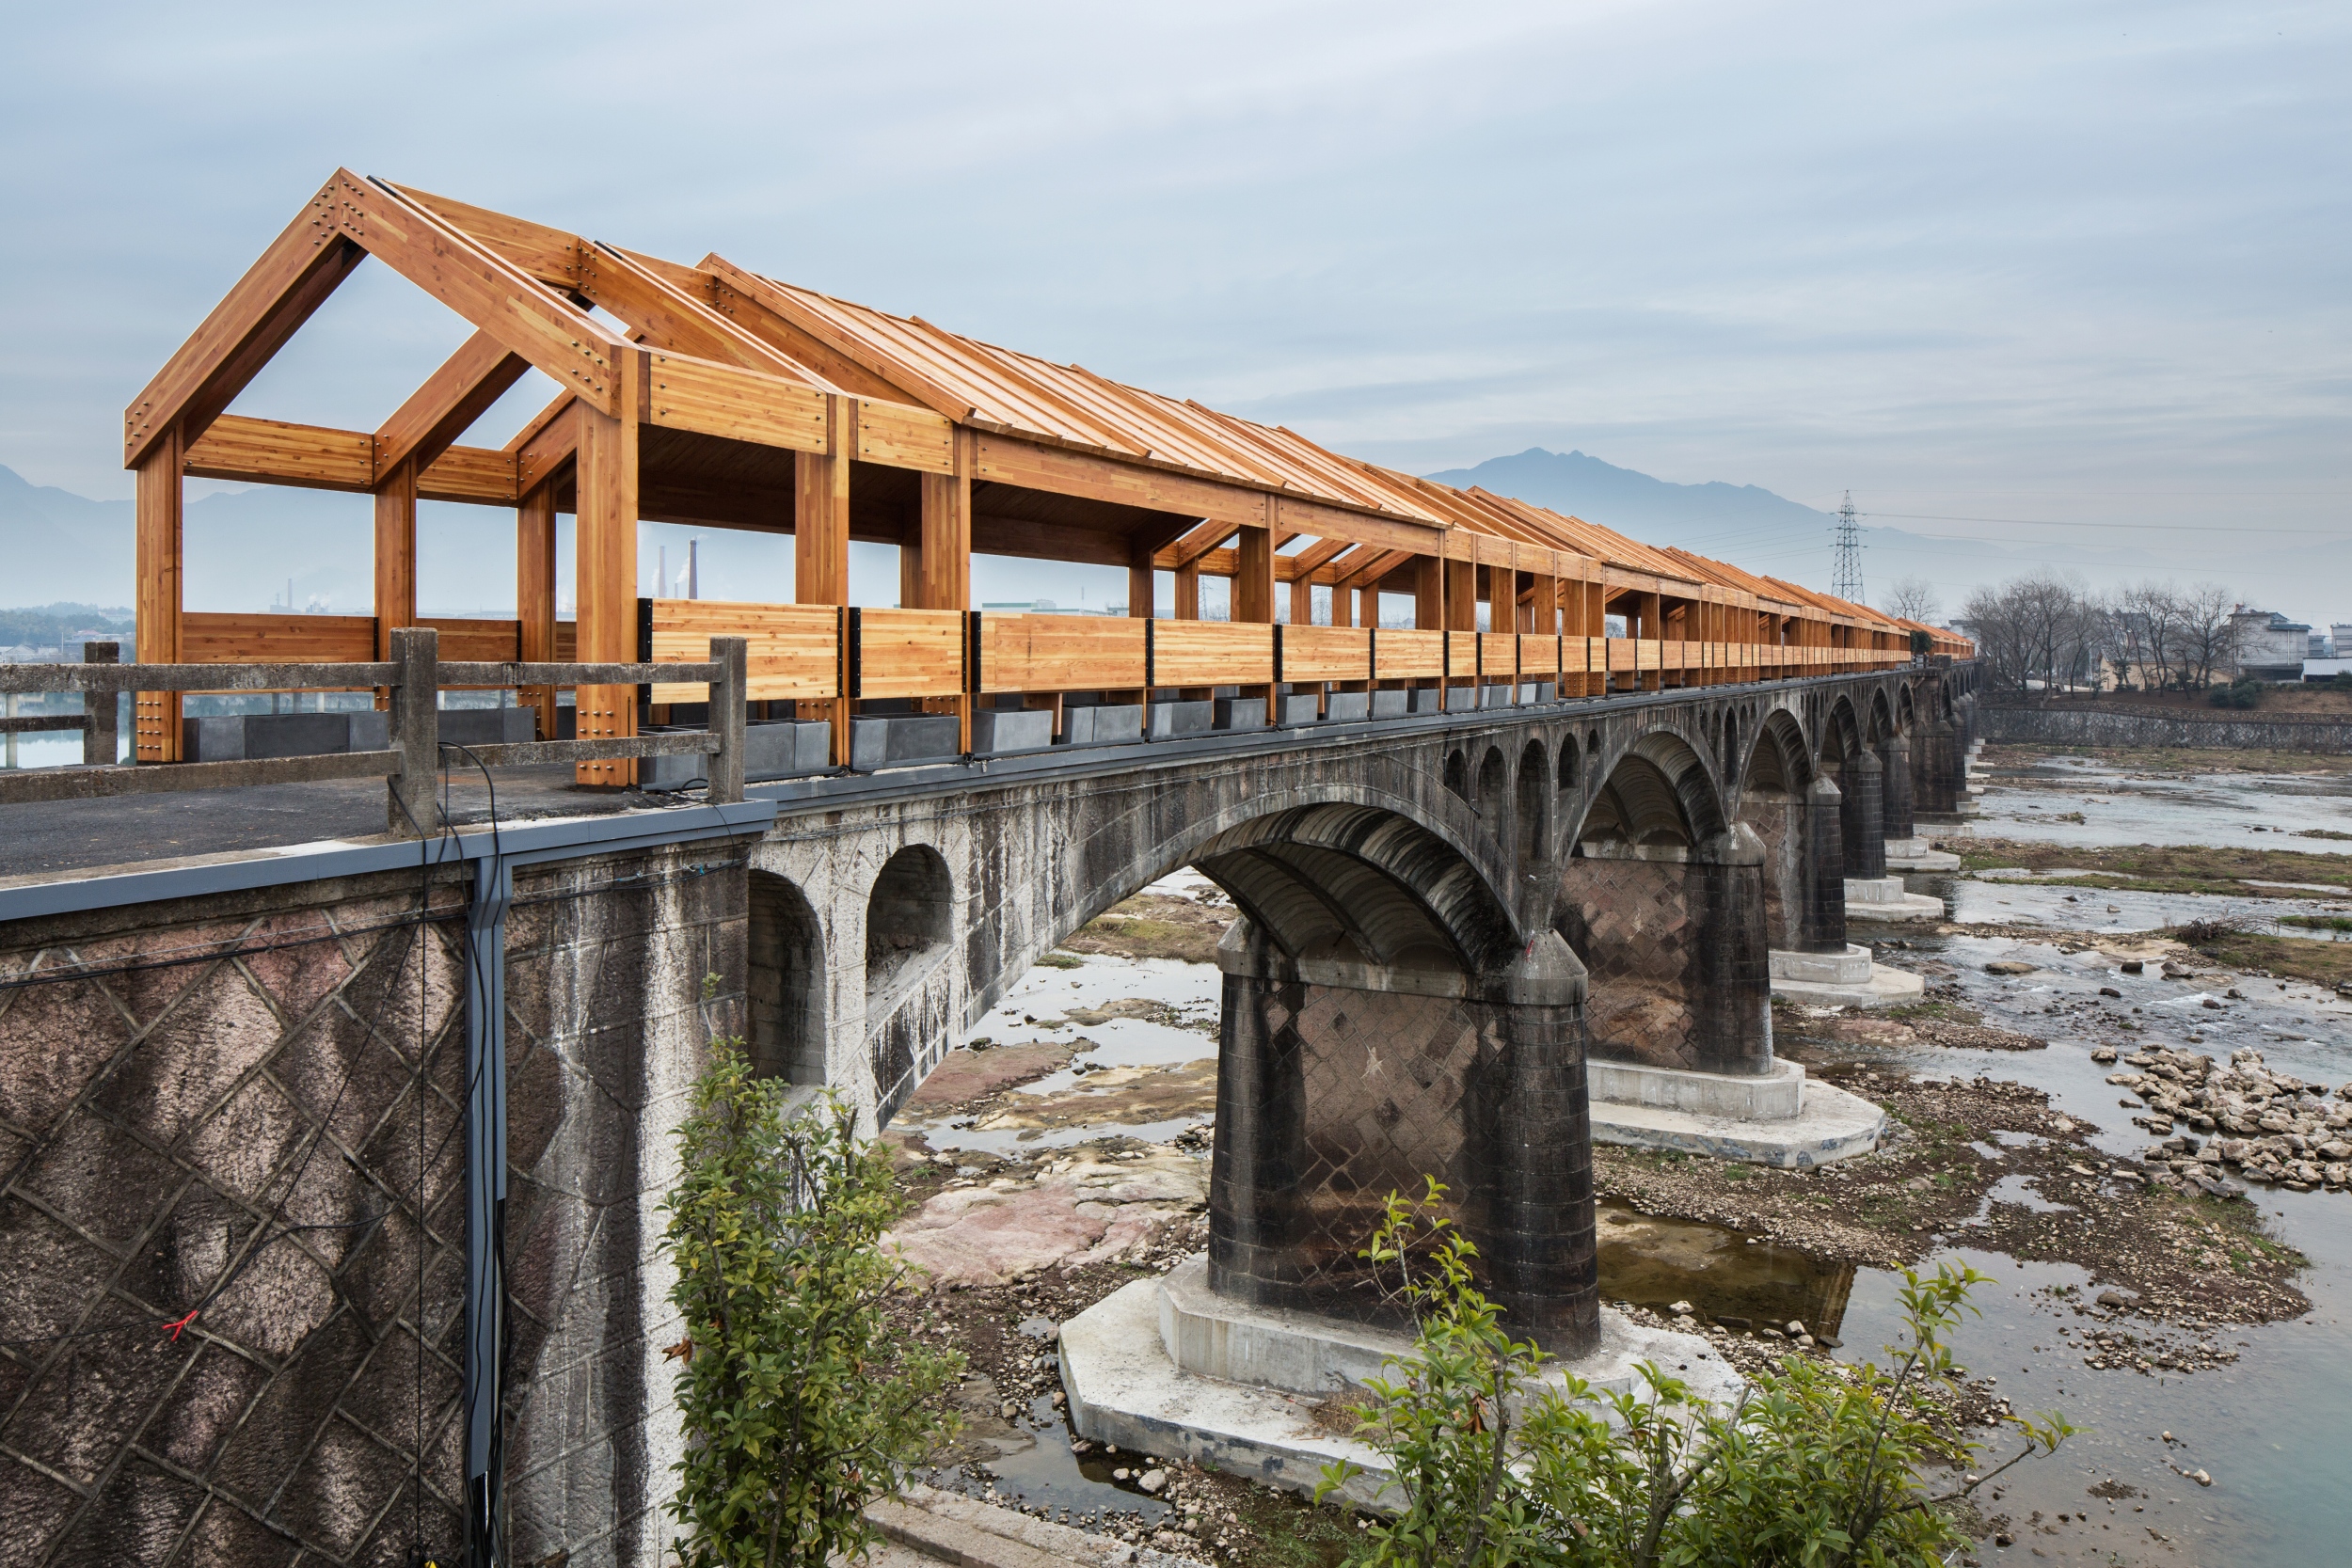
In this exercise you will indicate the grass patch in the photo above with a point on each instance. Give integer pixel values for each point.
(2326, 963)
(2322, 832)
(2317, 921)
(2163, 868)
(1062, 961)
(2174, 759)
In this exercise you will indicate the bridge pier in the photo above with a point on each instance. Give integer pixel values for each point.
(1905, 850)
(1340, 1083)
(1870, 893)
(1822, 966)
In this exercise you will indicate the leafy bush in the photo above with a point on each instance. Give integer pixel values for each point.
(1494, 1465)
(2243, 692)
(799, 1405)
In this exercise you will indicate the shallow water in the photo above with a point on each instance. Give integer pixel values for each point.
(2047, 900)
(2120, 807)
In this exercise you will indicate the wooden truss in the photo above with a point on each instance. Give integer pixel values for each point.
(724, 398)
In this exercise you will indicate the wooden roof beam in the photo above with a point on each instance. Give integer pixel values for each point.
(292, 278)
(510, 304)
(481, 372)
(777, 301)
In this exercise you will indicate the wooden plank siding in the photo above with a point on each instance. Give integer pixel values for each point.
(794, 651)
(1326, 653)
(1408, 655)
(909, 653)
(1060, 653)
(1212, 653)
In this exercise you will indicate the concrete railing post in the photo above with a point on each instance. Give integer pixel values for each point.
(100, 740)
(412, 807)
(1823, 926)
(725, 768)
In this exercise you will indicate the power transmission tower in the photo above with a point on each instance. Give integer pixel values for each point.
(1847, 570)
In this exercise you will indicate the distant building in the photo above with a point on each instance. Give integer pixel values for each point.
(2268, 646)
(2339, 639)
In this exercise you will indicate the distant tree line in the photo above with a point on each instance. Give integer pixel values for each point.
(39, 626)
(2048, 633)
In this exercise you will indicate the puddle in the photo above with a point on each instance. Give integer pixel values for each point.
(1655, 1263)
(1045, 1474)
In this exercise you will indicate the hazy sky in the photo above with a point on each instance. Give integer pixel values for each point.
(2019, 265)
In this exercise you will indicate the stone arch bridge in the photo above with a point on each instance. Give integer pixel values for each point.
(1472, 904)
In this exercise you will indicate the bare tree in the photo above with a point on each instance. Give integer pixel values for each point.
(2150, 617)
(1912, 599)
(2208, 636)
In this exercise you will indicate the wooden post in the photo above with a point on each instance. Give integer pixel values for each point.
(821, 535)
(1142, 583)
(396, 556)
(725, 771)
(535, 597)
(940, 575)
(1253, 595)
(944, 567)
(606, 589)
(155, 715)
(1303, 600)
(1187, 606)
(1461, 608)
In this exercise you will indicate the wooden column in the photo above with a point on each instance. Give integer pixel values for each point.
(942, 568)
(820, 538)
(155, 715)
(1253, 575)
(535, 597)
(1187, 606)
(1461, 607)
(395, 560)
(1142, 584)
(1428, 593)
(1303, 600)
(605, 585)
(395, 555)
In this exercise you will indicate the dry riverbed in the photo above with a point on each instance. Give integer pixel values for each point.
(1056, 1160)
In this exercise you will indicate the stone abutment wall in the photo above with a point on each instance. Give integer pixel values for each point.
(247, 1107)
(2086, 726)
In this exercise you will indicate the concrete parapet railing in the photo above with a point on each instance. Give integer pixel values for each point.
(412, 679)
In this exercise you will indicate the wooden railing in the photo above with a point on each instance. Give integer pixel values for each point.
(414, 678)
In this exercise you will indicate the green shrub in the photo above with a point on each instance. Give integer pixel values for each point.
(2243, 692)
(799, 1405)
(1817, 1465)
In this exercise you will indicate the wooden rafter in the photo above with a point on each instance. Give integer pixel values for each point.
(253, 321)
(481, 372)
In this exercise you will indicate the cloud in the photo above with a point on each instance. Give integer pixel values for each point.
(1928, 252)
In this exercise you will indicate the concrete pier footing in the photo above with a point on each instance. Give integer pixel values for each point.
(1169, 1367)
(1918, 854)
(1779, 1118)
(1888, 898)
(1848, 978)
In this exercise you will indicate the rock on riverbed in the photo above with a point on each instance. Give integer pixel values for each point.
(2271, 1126)
(1089, 1207)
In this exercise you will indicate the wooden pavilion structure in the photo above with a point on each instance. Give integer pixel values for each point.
(731, 400)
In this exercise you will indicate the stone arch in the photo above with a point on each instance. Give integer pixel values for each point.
(1347, 884)
(1457, 773)
(1882, 717)
(910, 919)
(1569, 776)
(1658, 792)
(1659, 901)
(1533, 801)
(1494, 790)
(785, 946)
